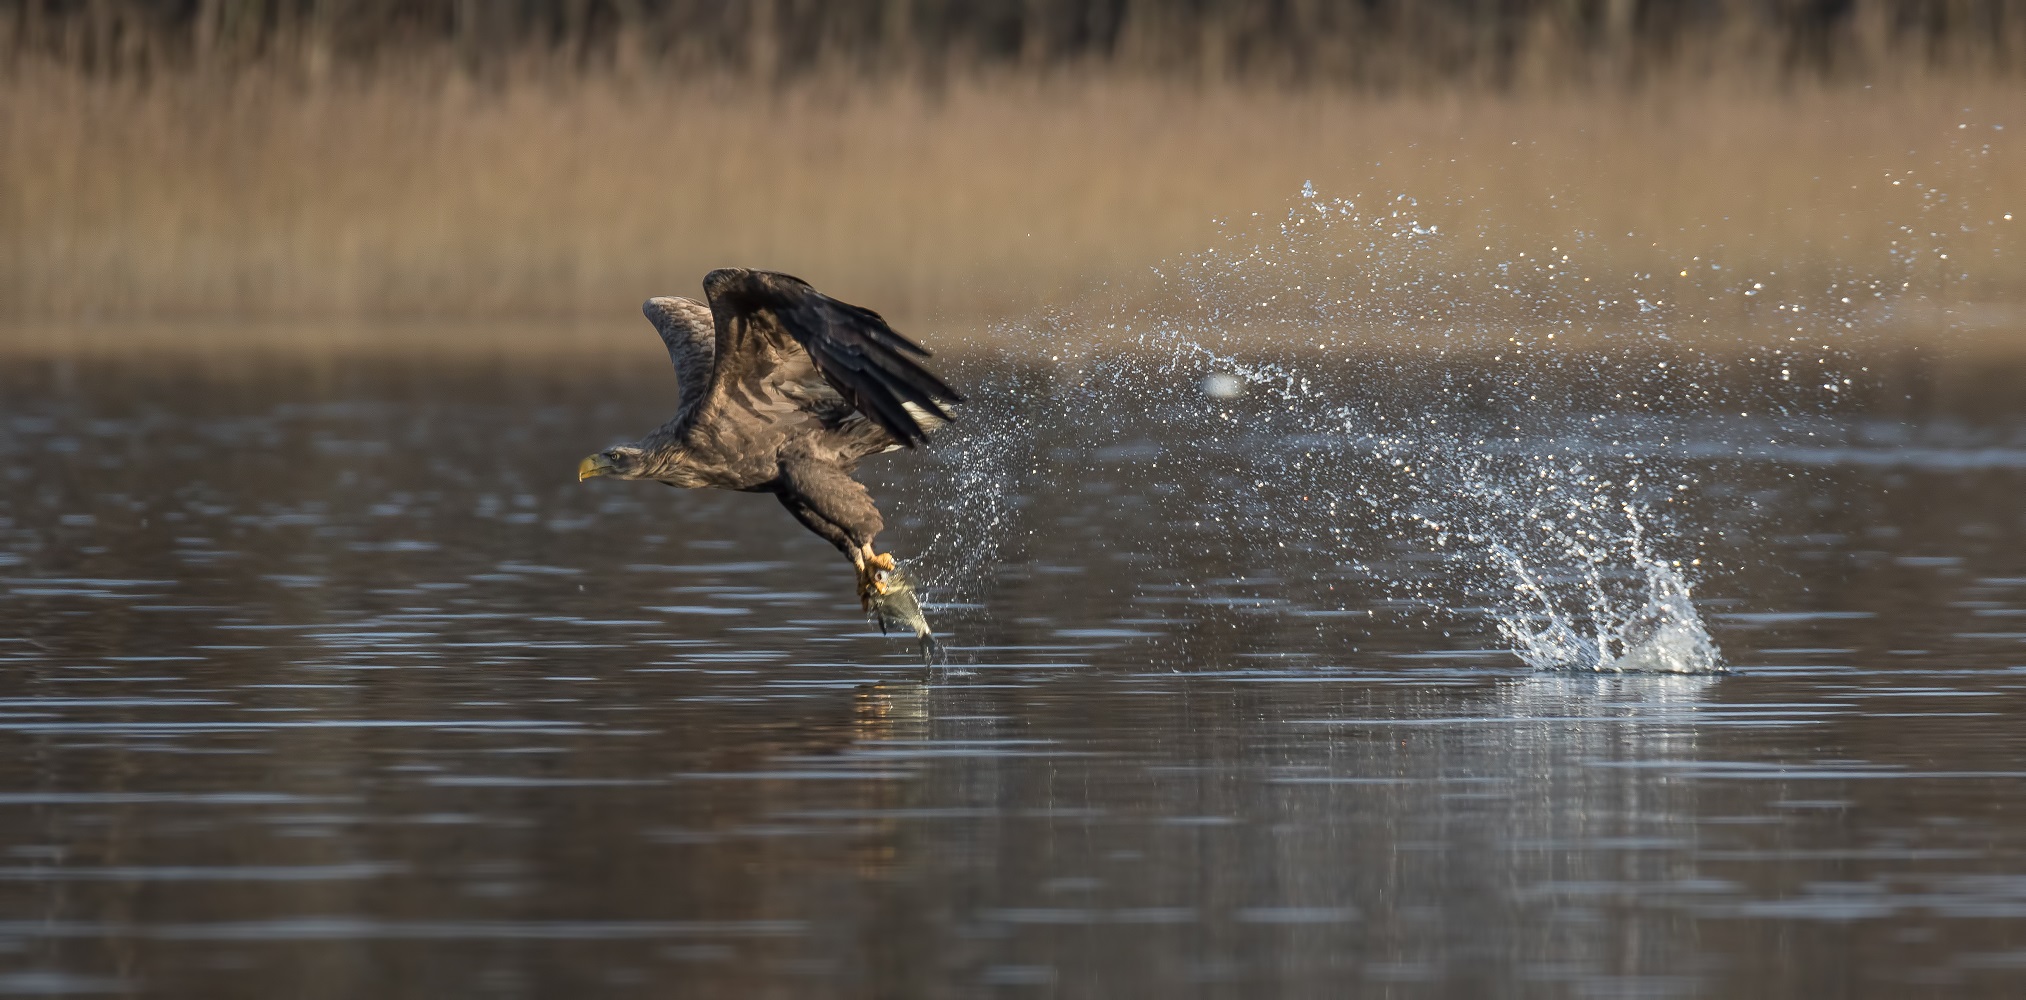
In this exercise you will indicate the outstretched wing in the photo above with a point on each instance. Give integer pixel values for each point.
(770, 325)
(688, 333)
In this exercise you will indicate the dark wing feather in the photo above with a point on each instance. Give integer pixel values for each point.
(687, 331)
(763, 316)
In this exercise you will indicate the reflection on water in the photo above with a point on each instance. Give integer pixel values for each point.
(330, 681)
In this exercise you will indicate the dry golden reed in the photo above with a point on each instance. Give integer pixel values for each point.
(543, 201)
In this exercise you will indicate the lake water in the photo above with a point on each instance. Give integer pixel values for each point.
(325, 679)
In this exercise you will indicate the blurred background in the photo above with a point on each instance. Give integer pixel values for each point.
(1337, 368)
(322, 171)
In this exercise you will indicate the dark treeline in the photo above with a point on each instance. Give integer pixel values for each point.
(1376, 43)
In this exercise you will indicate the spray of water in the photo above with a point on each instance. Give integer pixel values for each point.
(1649, 626)
(1348, 394)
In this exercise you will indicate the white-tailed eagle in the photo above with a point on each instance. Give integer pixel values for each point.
(782, 390)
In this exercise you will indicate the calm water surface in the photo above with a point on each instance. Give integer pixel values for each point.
(326, 680)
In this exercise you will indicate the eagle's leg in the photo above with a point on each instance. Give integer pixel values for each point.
(836, 507)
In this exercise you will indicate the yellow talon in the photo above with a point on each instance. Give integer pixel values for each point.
(873, 568)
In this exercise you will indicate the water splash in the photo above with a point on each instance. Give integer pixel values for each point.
(1351, 404)
(1649, 627)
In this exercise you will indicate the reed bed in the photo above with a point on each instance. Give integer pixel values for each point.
(196, 201)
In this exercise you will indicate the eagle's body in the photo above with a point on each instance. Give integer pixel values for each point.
(783, 390)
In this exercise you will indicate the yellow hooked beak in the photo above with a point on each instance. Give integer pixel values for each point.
(594, 465)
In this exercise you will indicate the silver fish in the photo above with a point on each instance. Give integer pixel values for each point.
(899, 609)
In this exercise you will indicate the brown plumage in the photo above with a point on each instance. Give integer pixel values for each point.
(783, 390)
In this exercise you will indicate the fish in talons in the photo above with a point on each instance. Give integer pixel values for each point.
(895, 606)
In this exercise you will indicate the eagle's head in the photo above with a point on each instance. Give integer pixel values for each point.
(621, 461)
